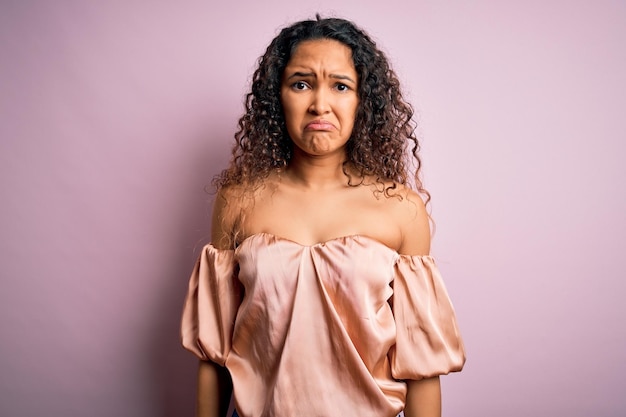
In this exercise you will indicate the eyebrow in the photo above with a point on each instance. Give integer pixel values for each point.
(310, 74)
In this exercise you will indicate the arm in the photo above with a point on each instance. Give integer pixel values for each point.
(214, 383)
(423, 396)
(214, 390)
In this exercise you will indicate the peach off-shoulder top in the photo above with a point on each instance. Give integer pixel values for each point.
(325, 330)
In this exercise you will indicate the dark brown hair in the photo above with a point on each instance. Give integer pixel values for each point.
(383, 139)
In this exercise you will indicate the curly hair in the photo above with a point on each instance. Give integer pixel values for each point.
(383, 139)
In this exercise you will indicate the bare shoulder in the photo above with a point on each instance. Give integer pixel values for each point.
(413, 221)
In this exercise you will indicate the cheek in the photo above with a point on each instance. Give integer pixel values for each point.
(286, 113)
(289, 109)
(350, 111)
(290, 118)
(355, 109)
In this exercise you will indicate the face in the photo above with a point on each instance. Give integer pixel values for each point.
(319, 97)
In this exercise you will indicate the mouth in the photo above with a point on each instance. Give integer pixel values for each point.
(320, 125)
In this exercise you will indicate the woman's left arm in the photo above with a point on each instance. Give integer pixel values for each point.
(423, 398)
(424, 395)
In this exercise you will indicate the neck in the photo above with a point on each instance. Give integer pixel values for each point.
(317, 171)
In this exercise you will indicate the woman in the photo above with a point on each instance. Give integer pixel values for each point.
(317, 296)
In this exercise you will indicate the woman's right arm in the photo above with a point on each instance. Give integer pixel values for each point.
(214, 390)
(214, 383)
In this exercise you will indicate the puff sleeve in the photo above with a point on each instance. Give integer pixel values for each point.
(211, 305)
(428, 342)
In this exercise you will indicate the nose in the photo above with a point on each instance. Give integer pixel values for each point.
(319, 104)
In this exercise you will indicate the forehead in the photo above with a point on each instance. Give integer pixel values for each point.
(322, 52)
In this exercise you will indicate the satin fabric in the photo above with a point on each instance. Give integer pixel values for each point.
(323, 330)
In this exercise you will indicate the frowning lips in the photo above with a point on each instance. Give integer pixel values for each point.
(320, 124)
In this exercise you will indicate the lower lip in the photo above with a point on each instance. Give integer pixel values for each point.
(320, 126)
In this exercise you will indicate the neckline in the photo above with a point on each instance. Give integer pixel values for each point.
(343, 238)
(321, 244)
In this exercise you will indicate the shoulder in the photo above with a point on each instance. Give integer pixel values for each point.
(413, 221)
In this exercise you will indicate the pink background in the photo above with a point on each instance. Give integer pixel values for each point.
(115, 115)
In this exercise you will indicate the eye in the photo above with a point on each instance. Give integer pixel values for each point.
(299, 85)
(342, 87)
